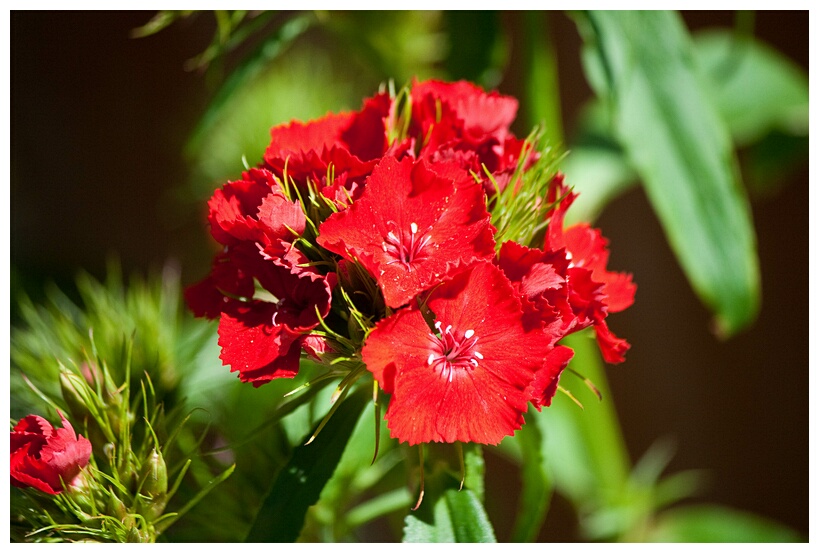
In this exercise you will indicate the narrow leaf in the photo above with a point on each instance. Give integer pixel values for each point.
(300, 482)
(674, 137)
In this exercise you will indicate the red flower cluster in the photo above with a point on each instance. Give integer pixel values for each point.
(45, 457)
(387, 212)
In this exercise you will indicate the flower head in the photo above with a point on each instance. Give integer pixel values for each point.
(46, 458)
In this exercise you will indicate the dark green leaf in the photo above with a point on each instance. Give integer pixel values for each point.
(717, 524)
(456, 517)
(673, 136)
(300, 482)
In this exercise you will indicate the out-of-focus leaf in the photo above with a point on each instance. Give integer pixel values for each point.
(300, 482)
(457, 517)
(681, 149)
(536, 485)
(768, 164)
(475, 46)
(756, 89)
(250, 67)
(542, 91)
(584, 448)
(392, 45)
(717, 524)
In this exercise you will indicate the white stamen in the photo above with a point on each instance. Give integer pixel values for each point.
(438, 325)
(477, 354)
(392, 236)
(430, 359)
(448, 328)
(413, 228)
(475, 363)
(469, 334)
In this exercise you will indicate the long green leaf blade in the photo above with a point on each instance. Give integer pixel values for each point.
(681, 149)
(299, 484)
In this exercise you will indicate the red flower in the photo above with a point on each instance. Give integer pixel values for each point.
(262, 331)
(415, 225)
(594, 291)
(45, 457)
(346, 146)
(468, 374)
(474, 115)
(460, 121)
(254, 209)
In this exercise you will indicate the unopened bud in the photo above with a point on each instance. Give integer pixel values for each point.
(154, 486)
(73, 387)
(115, 507)
(155, 475)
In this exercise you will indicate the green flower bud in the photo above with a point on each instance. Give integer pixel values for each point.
(115, 507)
(155, 475)
(154, 486)
(74, 390)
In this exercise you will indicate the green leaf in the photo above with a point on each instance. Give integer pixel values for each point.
(717, 524)
(673, 136)
(755, 88)
(456, 517)
(300, 482)
(536, 488)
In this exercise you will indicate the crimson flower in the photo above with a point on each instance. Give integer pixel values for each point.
(593, 290)
(415, 225)
(46, 458)
(465, 365)
(459, 121)
(263, 330)
(343, 146)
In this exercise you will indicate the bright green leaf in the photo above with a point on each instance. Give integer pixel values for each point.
(675, 139)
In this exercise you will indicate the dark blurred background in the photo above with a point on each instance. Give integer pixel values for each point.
(99, 127)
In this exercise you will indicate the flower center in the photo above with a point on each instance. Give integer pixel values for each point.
(453, 351)
(405, 247)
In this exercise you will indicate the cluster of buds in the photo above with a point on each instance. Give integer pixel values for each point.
(108, 483)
